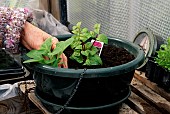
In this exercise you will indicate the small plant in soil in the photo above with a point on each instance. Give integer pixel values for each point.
(84, 54)
(85, 51)
(163, 55)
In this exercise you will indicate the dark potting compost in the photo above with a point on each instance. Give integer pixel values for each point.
(111, 56)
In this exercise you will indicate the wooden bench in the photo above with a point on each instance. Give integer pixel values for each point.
(146, 98)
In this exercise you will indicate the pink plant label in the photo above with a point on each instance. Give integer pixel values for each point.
(98, 44)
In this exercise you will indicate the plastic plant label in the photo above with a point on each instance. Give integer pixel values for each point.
(98, 44)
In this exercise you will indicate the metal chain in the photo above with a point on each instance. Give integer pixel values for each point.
(73, 93)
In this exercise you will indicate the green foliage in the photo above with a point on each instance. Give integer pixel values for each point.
(47, 56)
(163, 57)
(84, 51)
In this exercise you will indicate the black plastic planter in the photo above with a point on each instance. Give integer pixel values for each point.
(10, 68)
(157, 74)
(111, 108)
(166, 80)
(154, 71)
(99, 89)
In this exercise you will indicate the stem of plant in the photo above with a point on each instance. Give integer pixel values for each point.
(83, 48)
(92, 44)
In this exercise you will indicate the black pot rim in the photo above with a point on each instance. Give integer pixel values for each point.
(92, 73)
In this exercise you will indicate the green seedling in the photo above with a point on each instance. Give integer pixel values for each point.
(45, 55)
(163, 57)
(84, 51)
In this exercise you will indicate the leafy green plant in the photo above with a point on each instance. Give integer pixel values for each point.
(163, 55)
(47, 56)
(84, 51)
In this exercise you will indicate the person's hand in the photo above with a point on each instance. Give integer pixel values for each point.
(33, 37)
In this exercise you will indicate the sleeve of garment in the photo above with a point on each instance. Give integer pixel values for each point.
(11, 23)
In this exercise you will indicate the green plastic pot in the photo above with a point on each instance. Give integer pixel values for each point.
(98, 87)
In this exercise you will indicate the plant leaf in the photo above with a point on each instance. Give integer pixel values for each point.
(85, 53)
(88, 45)
(75, 44)
(84, 30)
(31, 60)
(55, 64)
(46, 46)
(93, 60)
(102, 38)
(78, 24)
(93, 51)
(74, 27)
(75, 31)
(61, 46)
(77, 56)
(76, 53)
(79, 47)
(79, 59)
(97, 28)
(92, 34)
(49, 61)
(36, 54)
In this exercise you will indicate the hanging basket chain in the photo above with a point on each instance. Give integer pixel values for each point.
(72, 94)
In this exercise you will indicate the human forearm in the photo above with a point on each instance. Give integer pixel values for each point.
(11, 23)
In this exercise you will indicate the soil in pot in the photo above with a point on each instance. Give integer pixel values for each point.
(111, 56)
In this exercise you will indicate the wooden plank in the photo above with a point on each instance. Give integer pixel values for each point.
(30, 85)
(150, 96)
(141, 105)
(141, 77)
(16, 105)
(43, 5)
(55, 9)
(125, 109)
(23, 85)
(38, 103)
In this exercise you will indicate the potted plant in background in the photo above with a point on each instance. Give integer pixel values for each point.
(158, 67)
(94, 81)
